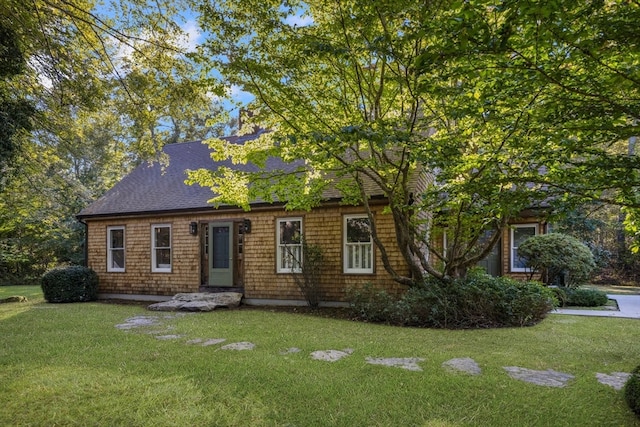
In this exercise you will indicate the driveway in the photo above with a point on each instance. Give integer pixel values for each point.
(628, 307)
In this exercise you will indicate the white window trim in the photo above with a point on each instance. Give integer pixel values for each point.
(345, 250)
(110, 267)
(163, 269)
(279, 246)
(513, 268)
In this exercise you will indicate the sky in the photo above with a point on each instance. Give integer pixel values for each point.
(195, 36)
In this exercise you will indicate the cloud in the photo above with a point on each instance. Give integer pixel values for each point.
(192, 35)
(236, 93)
(299, 20)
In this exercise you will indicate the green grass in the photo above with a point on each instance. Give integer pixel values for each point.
(616, 289)
(67, 364)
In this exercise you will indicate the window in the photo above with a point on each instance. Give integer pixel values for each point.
(289, 256)
(520, 233)
(115, 249)
(445, 243)
(161, 248)
(358, 247)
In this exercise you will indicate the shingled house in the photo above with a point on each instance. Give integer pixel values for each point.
(152, 236)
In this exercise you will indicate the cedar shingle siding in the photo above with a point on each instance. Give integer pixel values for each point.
(156, 194)
(322, 226)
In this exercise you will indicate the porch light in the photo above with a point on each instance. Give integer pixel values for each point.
(193, 228)
(246, 225)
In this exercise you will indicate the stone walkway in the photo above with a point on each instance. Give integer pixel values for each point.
(156, 325)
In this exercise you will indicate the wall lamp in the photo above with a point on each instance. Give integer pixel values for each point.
(193, 228)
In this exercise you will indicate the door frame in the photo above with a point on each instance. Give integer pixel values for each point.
(237, 255)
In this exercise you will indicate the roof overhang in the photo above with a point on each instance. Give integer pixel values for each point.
(256, 207)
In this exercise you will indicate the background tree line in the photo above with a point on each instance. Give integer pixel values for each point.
(87, 93)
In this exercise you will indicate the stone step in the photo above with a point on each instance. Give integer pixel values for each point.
(199, 301)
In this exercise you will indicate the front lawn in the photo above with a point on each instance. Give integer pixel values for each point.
(616, 289)
(68, 364)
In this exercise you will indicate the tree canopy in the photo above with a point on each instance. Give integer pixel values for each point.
(462, 113)
(92, 89)
(15, 111)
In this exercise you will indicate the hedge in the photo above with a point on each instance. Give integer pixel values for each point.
(70, 284)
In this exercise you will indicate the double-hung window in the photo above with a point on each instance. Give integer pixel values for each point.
(358, 246)
(161, 248)
(289, 251)
(115, 249)
(520, 233)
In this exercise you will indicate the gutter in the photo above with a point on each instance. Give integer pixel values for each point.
(257, 207)
(85, 262)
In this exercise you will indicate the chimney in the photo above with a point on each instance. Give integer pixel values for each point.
(246, 115)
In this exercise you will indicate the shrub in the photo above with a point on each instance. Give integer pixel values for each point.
(477, 301)
(561, 258)
(308, 281)
(581, 297)
(370, 304)
(70, 284)
(632, 391)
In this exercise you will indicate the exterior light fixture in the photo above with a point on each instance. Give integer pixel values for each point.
(193, 228)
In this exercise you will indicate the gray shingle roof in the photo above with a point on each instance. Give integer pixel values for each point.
(151, 187)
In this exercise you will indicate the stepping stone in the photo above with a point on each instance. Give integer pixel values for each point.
(239, 346)
(463, 364)
(291, 350)
(331, 355)
(409, 363)
(548, 378)
(169, 337)
(617, 380)
(214, 341)
(206, 343)
(16, 298)
(138, 322)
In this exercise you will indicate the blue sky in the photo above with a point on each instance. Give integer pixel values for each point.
(193, 36)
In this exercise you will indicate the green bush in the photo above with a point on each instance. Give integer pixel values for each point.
(477, 301)
(562, 259)
(632, 391)
(370, 304)
(70, 284)
(308, 281)
(580, 297)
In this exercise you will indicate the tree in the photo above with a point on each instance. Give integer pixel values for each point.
(15, 112)
(162, 100)
(501, 107)
(91, 80)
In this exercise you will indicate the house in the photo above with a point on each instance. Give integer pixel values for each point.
(503, 260)
(152, 236)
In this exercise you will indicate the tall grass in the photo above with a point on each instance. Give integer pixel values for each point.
(67, 364)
